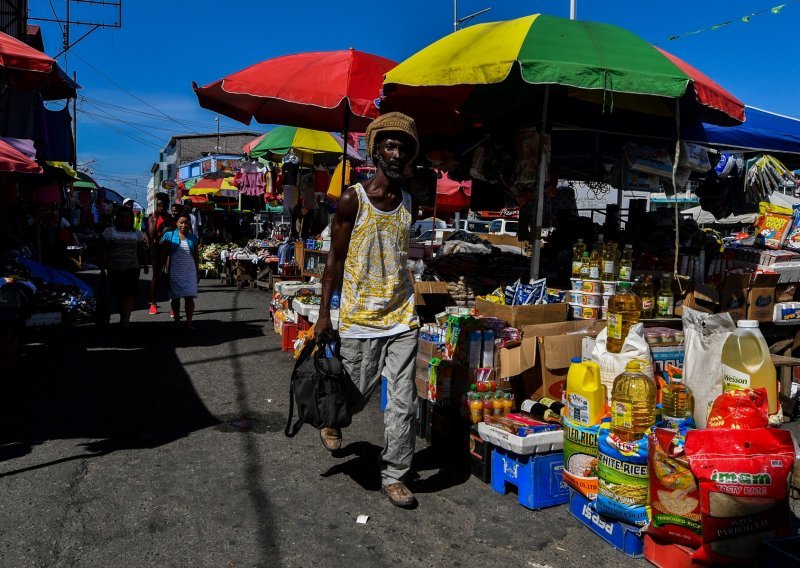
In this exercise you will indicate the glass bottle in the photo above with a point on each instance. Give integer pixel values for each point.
(648, 300)
(665, 304)
(626, 264)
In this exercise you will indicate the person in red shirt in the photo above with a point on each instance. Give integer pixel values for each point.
(159, 222)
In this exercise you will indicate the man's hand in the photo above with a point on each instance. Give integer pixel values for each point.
(324, 332)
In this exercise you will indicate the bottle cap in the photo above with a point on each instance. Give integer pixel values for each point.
(748, 323)
(634, 366)
(586, 254)
(576, 359)
(624, 285)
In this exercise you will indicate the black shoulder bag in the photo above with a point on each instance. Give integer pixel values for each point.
(322, 390)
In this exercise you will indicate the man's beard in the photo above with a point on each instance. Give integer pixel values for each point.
(388, 170)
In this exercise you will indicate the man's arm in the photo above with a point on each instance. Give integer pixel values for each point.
(341, 230)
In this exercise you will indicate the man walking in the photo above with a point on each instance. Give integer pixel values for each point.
(377, 323)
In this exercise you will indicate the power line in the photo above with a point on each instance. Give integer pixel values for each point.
(113, 82)
(137, 112)
(744, 19)
(120, 131)
(132, 125)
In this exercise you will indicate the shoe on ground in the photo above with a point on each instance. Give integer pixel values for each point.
(399, 495)
(331, 438)
(172, 313)
(153, 309)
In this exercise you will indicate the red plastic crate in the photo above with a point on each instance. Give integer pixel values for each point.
(288, 336)
(302, 323)
(667, 555)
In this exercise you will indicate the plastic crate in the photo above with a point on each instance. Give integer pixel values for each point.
(288, 336)
(668, 555)
(539, 478)
(625, 538)
(480, 456)
(780, 552)
(302, 323)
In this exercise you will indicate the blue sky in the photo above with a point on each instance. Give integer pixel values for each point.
(146, 67)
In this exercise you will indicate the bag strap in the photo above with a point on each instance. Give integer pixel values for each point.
(291, 430)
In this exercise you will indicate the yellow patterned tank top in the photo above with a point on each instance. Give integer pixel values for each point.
(377, 291)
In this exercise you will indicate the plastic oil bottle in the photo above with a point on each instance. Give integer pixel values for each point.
(577, 258)
(746, 362)
(633, 402)
(609, 272)
(594, 264)
(677, 402)
(648, 300)
(665, 304)
(626, 264)
(624, 311)
(585, 265)
(586, 395)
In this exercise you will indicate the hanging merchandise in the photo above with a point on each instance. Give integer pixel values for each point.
(528, 148)
(764, 176)
(773, 225)
(335, 187)
(291, 168)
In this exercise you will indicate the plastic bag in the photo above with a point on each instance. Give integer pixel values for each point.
(702, 367)
(613, 364)
(743, 409)
(623, 478)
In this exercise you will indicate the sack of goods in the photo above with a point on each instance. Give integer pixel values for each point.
(623, 478)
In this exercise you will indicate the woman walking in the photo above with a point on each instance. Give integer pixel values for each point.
(180, 246)
(124, 253)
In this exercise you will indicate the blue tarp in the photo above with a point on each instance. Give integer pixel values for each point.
(47, 274)
(762, 131)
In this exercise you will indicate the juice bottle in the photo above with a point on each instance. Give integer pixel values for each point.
(624, 310)
(586, 398)
(585, 266)
(577, 258)
(626, 264)
(488, 409)
(648, 300)
(746, 362)
(475, 408)
(677, 402)
(497, 404)
(633, 402)
(508, 403)
(665, 304)
(609, 272)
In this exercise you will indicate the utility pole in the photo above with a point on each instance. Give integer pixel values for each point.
(219, 147)
(75, 123)
(458, 21)
(573, 9)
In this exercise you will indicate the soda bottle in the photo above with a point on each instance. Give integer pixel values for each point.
(577, 258)
(624, 311)
(677, 402)
(609, 262)
(746, 362)
(626, 264)
(666, 301)
(648, 300)
(633, 402)
(585, 266)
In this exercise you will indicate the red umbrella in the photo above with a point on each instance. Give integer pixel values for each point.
(452, 196)
(12, 160)
(17, 55)
(327, 90)
(30, 68)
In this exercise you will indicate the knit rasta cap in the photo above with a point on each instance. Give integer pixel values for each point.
(393, 122)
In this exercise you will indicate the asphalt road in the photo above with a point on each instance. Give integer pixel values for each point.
(159, 448)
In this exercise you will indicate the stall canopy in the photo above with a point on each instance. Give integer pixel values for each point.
(30, 68)
(763, 131)
(452, 196)
(281, 139)
(12, 160)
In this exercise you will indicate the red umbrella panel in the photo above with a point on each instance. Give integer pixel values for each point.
(452, 196)
(29, 68)
(318, 90)
(12, 160)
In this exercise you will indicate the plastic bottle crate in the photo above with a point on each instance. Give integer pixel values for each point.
(625, 538)
(288, 336)
(302, 323)
(780, 552)
(539, 478)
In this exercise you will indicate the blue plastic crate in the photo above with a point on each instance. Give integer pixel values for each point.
(625, 538)
(539, 478)
(780, 552)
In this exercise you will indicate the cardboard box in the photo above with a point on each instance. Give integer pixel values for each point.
(761, 297)
(545, 354)
(422, 388)
(428, 349)
(733, 295)
(431, 293)
(520, 316)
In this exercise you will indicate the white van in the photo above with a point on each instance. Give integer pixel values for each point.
(474, 225)
(428, 224)
(504, 227)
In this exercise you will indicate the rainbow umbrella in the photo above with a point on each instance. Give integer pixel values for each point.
(502, 68)
(214, 186)
(281, 139)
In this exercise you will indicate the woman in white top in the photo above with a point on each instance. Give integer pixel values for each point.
(124, 253)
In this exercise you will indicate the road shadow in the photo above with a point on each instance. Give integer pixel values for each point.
(362, 467)
(452, 468)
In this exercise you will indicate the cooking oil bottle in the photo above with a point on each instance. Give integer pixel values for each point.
(586, 395)
(746, 362)
(677, 402)
(624, 311)
(594, 264)
(665, 304)
(577, 258)
(626, 264)
(585, 265)
(648, 300)
(633, 402)
(609, 272)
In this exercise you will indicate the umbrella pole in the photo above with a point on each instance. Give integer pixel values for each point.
(345, 133)
(537, 226)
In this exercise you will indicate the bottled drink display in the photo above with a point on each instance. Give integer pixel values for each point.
(624, 310)
(594, 264)
(648, 300)
(626, 264)
(609, 272)
(586, 396)
(665, 304)
(633, 402)
(585, 266)
(538, 411)
(746, 362)
(577, 258)
(677, 402)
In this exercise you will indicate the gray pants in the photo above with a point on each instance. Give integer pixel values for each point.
(394, 357)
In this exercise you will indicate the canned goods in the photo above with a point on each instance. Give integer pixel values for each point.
(576, 284)
(575, 297)
(609, 287)
(592, 300)
(606, 298)
(592, 286)
(590, 313)
(577, 311)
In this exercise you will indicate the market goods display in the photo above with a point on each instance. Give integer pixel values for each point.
(480, 273)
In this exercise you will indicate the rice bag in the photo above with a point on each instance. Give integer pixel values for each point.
(743, 409)
(580, 458)
(743, 477)
(623, 479)
(674, 494)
